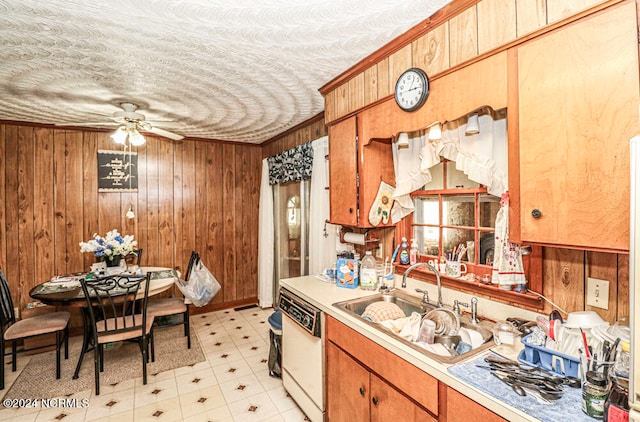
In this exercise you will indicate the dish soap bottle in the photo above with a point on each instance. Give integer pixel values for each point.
(404, 252)
(368, 274)
(413, 253)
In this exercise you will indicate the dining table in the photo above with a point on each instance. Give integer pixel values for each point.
(65, 291)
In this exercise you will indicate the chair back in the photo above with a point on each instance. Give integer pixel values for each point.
(139, 256)
(117, 299)
(195, 258)
(7, 314)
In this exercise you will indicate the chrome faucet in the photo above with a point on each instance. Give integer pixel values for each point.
(474, 310)
(432, 268)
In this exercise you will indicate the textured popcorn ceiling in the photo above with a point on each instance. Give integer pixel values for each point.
(238, 70)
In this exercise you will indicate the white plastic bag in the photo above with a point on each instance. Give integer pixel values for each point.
(201, 287)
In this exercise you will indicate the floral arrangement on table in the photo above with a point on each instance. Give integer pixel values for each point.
(111, 246)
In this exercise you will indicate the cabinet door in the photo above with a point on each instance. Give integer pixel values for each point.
(387, 404)
(578, 107)
(343, 196)
(347, 387)
(459, 408)
(375, 166)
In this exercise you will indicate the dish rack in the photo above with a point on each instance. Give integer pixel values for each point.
(548, 359)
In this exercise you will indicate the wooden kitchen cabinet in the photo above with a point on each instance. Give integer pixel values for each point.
(457, 407)
(577, 101)
(387, 381)
(356, 394)
(356, 168)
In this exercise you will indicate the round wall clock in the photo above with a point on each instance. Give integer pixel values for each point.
(412, 89)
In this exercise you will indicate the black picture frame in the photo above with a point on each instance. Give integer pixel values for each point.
(117, 171)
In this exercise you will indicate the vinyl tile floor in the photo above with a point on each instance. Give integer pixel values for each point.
(231, 385)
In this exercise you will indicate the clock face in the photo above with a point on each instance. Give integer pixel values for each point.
(412, 89)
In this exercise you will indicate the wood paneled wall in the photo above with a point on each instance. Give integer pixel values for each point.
(309, 130)
(192, 195)
(461, 31)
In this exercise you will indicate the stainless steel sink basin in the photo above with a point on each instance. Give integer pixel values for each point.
(410, 304)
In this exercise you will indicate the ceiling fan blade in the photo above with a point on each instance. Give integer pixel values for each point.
(103, 123)
(166, 133)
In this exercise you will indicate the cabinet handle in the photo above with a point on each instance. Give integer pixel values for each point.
(374, 400)
(362, 391)
(350, 210)
(536, 213)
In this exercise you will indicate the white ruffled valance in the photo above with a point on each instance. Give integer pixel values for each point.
(482, 157)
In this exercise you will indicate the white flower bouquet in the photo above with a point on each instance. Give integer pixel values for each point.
(113, 244)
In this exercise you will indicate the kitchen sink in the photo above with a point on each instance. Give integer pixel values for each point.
(409, 304)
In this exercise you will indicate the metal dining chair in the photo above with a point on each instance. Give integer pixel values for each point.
(14, 330)
(166, 307)
(118, 312)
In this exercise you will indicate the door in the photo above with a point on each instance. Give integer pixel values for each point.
(347, 387)
(387, 404)
(291, 218)
(343, 185)
(578, 107)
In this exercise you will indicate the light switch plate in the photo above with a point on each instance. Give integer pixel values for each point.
(598, 293)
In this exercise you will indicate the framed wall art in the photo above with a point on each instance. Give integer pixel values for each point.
(117, 171)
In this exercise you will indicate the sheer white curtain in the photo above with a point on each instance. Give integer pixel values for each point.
(265, 240)
(322, 250)
(482, 157)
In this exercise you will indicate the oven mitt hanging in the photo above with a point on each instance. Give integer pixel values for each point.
(381, 208)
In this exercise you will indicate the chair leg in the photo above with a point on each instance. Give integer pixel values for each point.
(1, 361)
(101, 351)
(152, 343)
(145, 357)
(187, 327)
(58, 341)
(97, 363)
(66, 342)
(14, 355)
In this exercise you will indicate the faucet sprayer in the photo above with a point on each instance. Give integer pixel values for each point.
(432, 268)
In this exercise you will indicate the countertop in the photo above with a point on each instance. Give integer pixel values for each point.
(322, 295)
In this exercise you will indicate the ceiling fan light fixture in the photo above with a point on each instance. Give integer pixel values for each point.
(120, 135)
(136, 139)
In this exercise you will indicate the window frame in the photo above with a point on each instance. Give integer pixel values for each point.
(532, 263)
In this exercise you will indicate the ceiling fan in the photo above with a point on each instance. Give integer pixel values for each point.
(129, 123)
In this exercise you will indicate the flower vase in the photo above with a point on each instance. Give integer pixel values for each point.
(114, 261)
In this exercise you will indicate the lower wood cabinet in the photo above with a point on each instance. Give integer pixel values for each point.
(456, 407)
(366, 382)
(356, 394)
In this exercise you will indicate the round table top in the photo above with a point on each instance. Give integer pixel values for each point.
(66, 290)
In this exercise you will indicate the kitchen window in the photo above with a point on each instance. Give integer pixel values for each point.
(453, 217)
(453, 212)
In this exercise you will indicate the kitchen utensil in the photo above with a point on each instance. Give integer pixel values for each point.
(447, 322)
(584, 320)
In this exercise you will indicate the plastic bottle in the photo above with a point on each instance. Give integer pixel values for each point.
(368, 275)
(623, 360)
(616, 408)
(413, 253)
(404, 252)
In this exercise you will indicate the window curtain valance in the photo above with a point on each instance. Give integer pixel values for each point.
(482, 157)
(292, 165)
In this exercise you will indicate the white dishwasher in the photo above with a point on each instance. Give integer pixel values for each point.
(303, 354)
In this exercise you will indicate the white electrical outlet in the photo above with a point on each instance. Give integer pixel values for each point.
(16, 312)
(598, 293)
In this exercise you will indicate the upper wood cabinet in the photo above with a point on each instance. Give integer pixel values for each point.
(355, 172)
(577, 100)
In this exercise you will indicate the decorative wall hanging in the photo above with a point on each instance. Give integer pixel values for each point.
(117, 171)
(292, 165)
